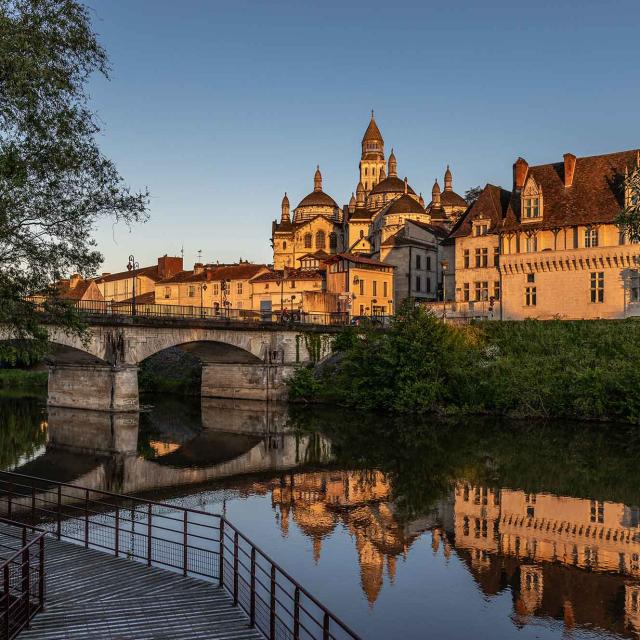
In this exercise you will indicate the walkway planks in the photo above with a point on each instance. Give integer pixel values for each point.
(94, 596)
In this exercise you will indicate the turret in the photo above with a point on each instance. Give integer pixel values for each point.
(435, 195)
(360, 195)
(285, 209)
(317, 180)
(421, 200)
(352, 203)
(448, 180)
(393, 165)
(383, 175)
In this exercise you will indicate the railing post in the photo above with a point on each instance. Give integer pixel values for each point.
(252, 605)
(235, 569)
(149, 516)
(7, 600)
(33, 506)
(221, 554)
(86, 519)
(296, 614)
(185, 543)
(26, 578)
(41, 573)
(272, 605)
(117, 531)
(325, 626)
(59, 515)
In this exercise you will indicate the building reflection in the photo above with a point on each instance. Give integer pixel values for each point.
(567, 558)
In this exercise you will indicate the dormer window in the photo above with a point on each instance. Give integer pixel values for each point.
(531, 201)
(480, 229)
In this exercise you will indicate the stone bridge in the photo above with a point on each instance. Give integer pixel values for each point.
(242, 360)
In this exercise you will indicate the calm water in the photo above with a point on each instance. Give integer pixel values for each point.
(480, 529)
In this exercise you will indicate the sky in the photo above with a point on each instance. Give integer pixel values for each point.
(220, 107)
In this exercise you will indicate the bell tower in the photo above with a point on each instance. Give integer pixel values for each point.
(372, 164)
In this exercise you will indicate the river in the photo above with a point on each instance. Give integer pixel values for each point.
(405, 529)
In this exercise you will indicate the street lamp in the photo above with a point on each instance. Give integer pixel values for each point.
(132, 266)
(203, 288)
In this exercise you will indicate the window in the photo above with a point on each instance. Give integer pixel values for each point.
(531, 208)
(532, 243)
(284, 244)
(428, 263)
(496, 289)
(530, 297)
(361, 286)
(466, 258)
(480, 229)
(481, 290)
(590, 237)
(418, 261)
(192, 291)
(597, 286)
(361, 233)
(496, 256)
(307, 241)
(239, 288)
(366, 171)
(333, 240)
(418, 283)
(292, 284)
(167, 292)
(384, 289)
(634, 285)
(375, 288)
(531, 277)
(597, 511)
(482, 257)
(320, 239)
(428, 285)
(216, 290)
(575, 237)
(465, 292)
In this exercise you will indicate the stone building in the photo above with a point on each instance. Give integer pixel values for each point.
(118, 287)
(561, 253)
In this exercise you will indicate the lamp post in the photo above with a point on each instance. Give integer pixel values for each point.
(445, 265)
(132, 266)
(223, 292)
(203, 288)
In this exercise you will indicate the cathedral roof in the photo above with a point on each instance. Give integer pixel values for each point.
(372, 132)
(317, 199)
(452, 199)
(404, 204)
(391, 184)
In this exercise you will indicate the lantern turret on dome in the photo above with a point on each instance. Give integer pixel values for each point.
(285, 217)
(393, 165)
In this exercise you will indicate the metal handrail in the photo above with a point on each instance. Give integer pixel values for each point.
(23, 580)
(113, 308)
(190, 541)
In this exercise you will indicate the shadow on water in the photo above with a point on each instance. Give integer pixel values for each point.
(546, 514)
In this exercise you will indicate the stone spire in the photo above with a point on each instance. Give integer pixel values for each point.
(360, 195)
(285, 209)
(383, 175)
(393, 165)
(421, 200)
(317, 180)
(435, 195)
(352, 203)
(406, 185)
(448, 180)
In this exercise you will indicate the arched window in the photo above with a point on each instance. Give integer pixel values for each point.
(333, 240)
(320, 240)
(307, 241)
(284, 244)
(361, 233)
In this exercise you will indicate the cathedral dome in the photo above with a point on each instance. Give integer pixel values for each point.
(391, 184)
(452, 199)
(317, 199)
(311, 204)
(405, 204)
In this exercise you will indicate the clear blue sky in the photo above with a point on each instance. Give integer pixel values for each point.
(220, 107)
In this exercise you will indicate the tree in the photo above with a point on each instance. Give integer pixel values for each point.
(629, 218)
(54, 181)
(471, 195)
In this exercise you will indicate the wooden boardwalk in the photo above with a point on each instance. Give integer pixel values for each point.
(92, 595)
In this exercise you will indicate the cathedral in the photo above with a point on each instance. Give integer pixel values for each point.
(376, 213)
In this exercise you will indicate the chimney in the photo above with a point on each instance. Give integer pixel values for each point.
(198, 267)
(520, 169)
(569, 169)
(74, 280)
(169, 265)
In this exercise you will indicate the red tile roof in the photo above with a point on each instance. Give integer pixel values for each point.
(492, 203)
(293, 274)
(149, 272)
(359, 259)
(243, 271)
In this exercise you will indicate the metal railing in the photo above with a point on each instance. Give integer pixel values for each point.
(22, 575)
(192, 542)
(221, 315)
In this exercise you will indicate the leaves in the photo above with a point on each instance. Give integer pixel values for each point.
(55, 183)
(629, 218)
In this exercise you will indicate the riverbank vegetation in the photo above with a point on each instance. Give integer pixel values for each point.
(561, 369)
(23, 379)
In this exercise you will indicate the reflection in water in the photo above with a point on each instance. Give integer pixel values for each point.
(495, 527)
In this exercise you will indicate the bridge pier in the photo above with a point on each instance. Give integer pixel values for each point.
(255, 381)
(93, 386)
